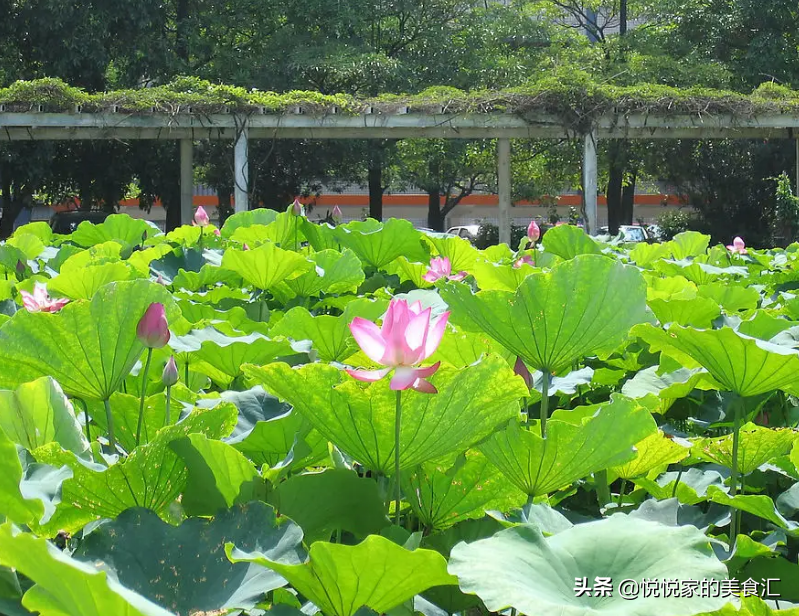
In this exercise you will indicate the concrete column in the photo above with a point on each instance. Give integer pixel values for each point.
(590, 182)
(241, 167)
(186, 181)
(504, 189)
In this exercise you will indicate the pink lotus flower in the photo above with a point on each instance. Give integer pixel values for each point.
(217, 233)
(337, 215)
(408, 337)
(39, 300)
(245, 246)
(525, 259)
(296, 207)
(738, 246)
(153, 329)
(520, 368)
(201, 217)
(440, 267)
(533, 231)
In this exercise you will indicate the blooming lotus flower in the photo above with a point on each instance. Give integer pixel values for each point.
(520, 368)
(738, 246)
(153, 329)
(533, 231)
(407, 337)
(296, 207)
(170, 374)
(442, 268)
(337, 215)
(525, 259)
(201, 217)
(40, 301)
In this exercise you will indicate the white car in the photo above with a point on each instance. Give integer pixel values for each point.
(629, 233)
(467, 232)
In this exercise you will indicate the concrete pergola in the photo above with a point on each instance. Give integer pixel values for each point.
(188, 127)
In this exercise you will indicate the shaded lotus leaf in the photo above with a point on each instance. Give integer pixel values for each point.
(88, 347)
(125, 416)
(655, 451)
(690, 486)
(153, 476)
(666, 387)
(378, 243)
(758, 505)
(757, 445)
(267, 265)
(341, 579)
(604, 435)
(520, 568)
(359, 418)
(556, 318)
(184, 568)
(320, 236)
(568, 241)
(442, 495)
(331, 500)
(65, 586)
(38, 413)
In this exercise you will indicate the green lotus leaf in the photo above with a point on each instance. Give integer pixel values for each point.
(359, 419)
(184, 568)
(208, 276)
(332, 500)
(119, 228)
(15, 506)
(286, 438)
(181, 259)
(689, 487)
(107, 252)
(341, 579)
(674, 287)
(520, 568)
(85, 282)
(153, 476)
(759, 505)
(460, 252)
(696, 271)
(782, 573)
(442, 495)
(757, 445)
(335, 272)
(40, 229)
(11, 594)
(604, 434)
(282, 231)
(30, 245)
(125, 416)
(88, 347)
(666, 387)
(644, 254)
(260, 216)
(732, 298)
(267, 265)
(140, 260)
(204, 315)
(568, 241)
(378, 243)
(697, 311)
(548, 520)
(557, 318)
(65, 586)
(219, 476)
(655, 451)
(689, 244)
(407, 271)
(320, 236)
(38, 413)
(462, 349)
(744, 365)
(500, 276)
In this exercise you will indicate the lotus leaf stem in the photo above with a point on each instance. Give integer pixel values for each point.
(397, 426)
(544, 402)
(110, 421)
(736, 437)
(168, 405)
(143, 395)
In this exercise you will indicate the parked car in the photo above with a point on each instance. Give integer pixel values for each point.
(468, 232)
(629, 233)
(67, 222)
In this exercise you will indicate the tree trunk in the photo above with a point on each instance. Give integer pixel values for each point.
(628, 201)
(614, 190)
(375, 183)
(11, 209)
(623, 17)
(434, 218)
(182, 31)
(225, 200)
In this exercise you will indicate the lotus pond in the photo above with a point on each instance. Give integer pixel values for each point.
(292, 418)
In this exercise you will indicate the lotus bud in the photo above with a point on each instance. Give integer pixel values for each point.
(153, 329)
(170, 373)
(217, 233)
(533, 231)
(245, 246)
(520, 368)
(296, 208)
(201, 217)
(337, 216)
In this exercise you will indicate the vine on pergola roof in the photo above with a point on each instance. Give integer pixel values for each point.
(577, 102)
